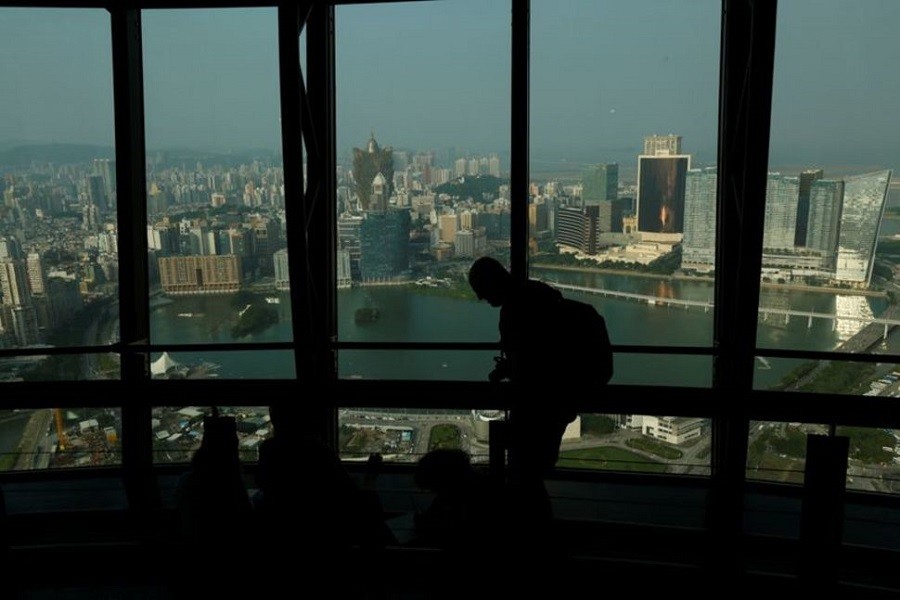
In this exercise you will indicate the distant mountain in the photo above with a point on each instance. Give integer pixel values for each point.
(26, 154)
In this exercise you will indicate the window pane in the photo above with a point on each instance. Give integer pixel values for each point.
(60, 367)
(623, 150)
(777, 451)
(650, 444)
(422, 167)
(258, 364)
(874, 462)
(662, 369)
(178, 431)
(828, 377)
(51, 438)
(826, 276)
(428, 365)
(58, 238)
(405, 435)
(215, 195)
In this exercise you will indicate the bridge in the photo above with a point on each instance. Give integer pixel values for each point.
(886, 321)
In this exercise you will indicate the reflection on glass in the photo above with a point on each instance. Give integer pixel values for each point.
(405, 435)
(613, 192)
(422, 182)
(60, 367)
(777, 451)
(430, 365)
(643, 443)
(828, 377)
(256, 364)
(178, 431)
(215, 181)
(58, 236)
(50, 438)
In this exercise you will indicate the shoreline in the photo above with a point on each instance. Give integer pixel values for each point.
(711, 281)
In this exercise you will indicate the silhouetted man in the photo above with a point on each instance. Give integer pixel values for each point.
(533, 358)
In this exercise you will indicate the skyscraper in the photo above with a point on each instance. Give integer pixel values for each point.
(600, 182)
(861, 214)
(806, 180)
(660, 201)
(384, 244)
(825, 199)
(97, 192)
(369, 162)
(782, 194)
(14, 282)
(282, 273)
(698, 250)
(37, 280)
(662, 145)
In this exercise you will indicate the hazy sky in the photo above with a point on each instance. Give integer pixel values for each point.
(436, 75)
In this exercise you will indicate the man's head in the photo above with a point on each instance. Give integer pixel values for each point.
(490, 280)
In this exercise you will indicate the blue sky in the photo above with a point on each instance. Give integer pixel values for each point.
(435, 75)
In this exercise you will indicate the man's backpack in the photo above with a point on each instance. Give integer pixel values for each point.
(591, 357)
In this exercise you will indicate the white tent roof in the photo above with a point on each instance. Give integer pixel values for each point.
(162, 364)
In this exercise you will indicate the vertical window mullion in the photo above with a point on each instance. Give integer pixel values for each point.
(747, 58)
(519, 137)
(128, 94)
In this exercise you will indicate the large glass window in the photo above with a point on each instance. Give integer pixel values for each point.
(622, 201)
(828, 261)
(58, 234)
(215, 194)
(423, 117)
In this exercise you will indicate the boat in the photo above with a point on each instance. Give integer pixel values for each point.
(273, 300)
(187, 315)
(366, 315)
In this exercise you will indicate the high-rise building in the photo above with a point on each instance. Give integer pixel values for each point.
(465, 243)
(25, 325)
(578, 227)
(282, 274)
(782, 194)
(459, 167)
(369, 162)
(37, 280)
(600, 182)
(537, 217)
(384, 245)
(193, 275)
(698, 249)
(448, 224)
(806, 180)
(14, 283)
(344, 277)
(349, 239)
(494, 165)
(10, 248)
(660, 200)
(662, 145)
(824, 201)
(861, 215)
(97, 192)
(106, 169)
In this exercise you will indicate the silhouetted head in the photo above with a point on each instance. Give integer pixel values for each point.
(444, 470)
(490, 280)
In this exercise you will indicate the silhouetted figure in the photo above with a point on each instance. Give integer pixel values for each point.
(214, 509)
(533, 357)
(467, 514)
(307, 499)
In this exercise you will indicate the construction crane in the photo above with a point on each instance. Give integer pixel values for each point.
(60, 429)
